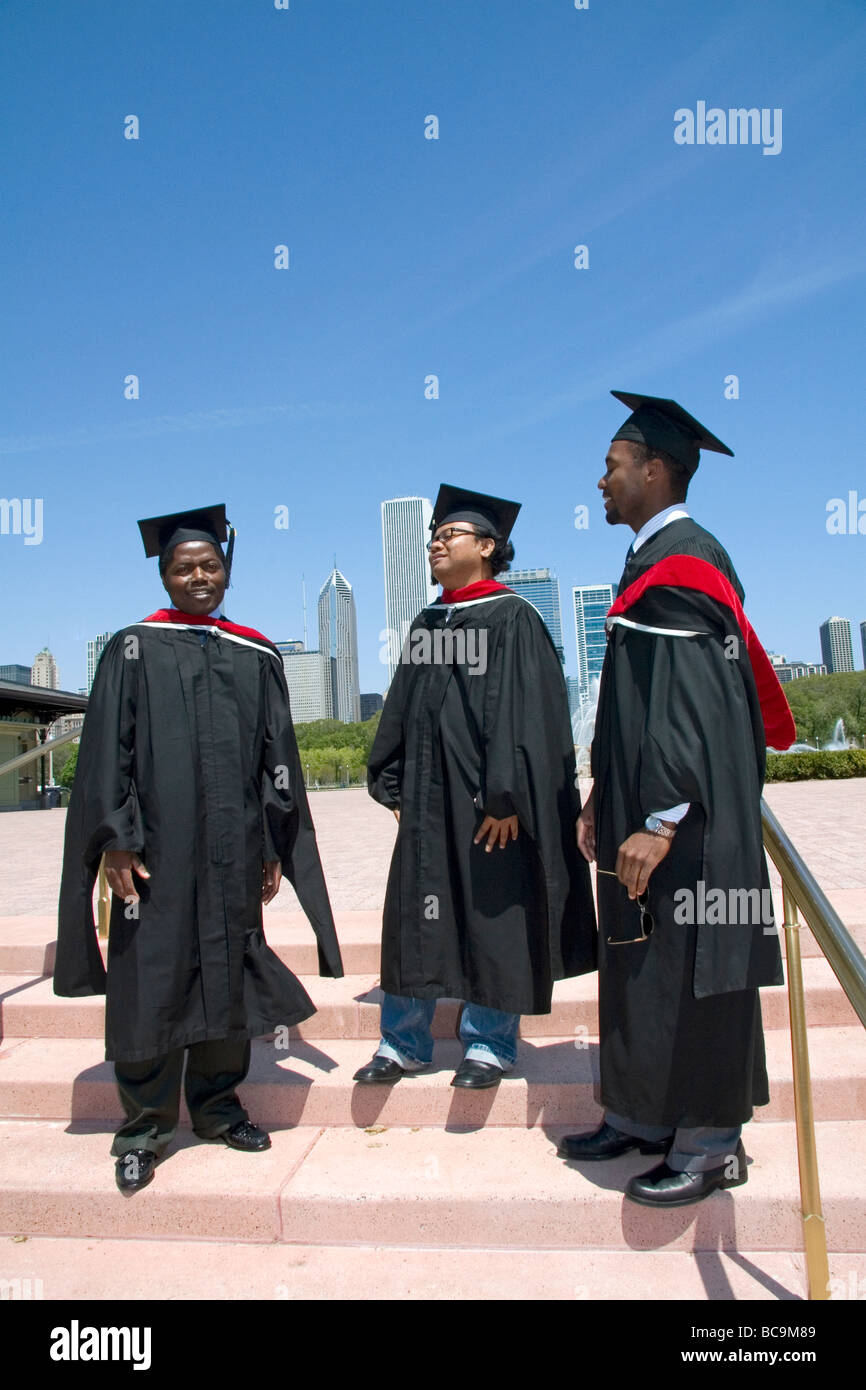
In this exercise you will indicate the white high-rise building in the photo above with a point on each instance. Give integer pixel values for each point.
(95, 647)
(591, 604)
(44, 670)
(405, 533)
(306, 679)
(338, 644)
(836, 648)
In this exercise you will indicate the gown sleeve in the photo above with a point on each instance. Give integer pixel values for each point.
(288, 834)
(103, 813)
(385, 764)
(528, 747)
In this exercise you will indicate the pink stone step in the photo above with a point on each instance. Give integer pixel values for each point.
(415, 1187)
(349, 1008)
(311, 1083)
(59, 1183)
(507, 1187)
(27, 944)
(179, 1269)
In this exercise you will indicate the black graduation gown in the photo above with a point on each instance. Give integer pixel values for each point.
(188, 757)
(681, 1040)
(494, 929)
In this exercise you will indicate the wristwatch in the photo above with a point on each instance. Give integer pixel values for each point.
(658, 827)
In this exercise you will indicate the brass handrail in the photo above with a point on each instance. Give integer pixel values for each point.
(799, 888)
(845, 957)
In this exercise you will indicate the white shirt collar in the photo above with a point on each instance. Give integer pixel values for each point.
(655, 523)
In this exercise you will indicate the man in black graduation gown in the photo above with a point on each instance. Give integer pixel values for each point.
(487, 899)
(189, 782)
(688, 703)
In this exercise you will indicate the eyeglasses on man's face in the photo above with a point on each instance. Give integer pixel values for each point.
(647, 922)
(447, 536)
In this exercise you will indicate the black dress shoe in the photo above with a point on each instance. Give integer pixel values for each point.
(134, 1170)
(246, 1136)
(476, 1076)
(380, 1069)
(607, 1142)
(664, 1187)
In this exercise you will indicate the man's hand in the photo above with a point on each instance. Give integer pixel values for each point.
(272, 877)
(638, 856)
(585, 827)
(501, 830)
(119, 864)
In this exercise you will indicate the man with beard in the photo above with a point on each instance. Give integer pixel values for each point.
(189, 782)
(487, 899)
(687, 705)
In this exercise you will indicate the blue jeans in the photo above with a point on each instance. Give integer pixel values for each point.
(487, 1035)
(692, 1150)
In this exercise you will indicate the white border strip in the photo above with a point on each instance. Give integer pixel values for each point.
(656, 631)
(217, 632)
(473, 602)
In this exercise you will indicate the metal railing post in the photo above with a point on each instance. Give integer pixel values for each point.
(814, 1232)
(103, 906)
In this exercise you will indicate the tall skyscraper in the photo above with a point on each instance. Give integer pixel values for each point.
(836, 649)
(405, 533)
(44, 670)
(338, 643)
(591, 604)
(541, 587)
(95, 647)
(863, 641)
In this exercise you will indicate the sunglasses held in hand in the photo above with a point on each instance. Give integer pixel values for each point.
(647, 921)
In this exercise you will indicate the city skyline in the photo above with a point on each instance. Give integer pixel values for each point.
(544, 581)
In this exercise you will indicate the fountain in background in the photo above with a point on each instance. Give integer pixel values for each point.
(839, 743)
(583, 727)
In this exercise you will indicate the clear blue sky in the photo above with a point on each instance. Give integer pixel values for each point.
(408, 256)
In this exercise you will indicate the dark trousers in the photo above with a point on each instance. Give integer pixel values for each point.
(150, 1093)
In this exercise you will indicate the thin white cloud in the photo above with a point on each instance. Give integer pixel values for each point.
(235, 417)
(678, 339)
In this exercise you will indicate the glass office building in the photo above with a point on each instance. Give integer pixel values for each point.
(591, 605)
(541, 588)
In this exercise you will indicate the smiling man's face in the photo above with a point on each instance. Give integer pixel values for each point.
(195, 578)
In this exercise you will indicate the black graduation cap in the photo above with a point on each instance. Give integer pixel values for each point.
(494, 515)
(662, 424)
(161, 534)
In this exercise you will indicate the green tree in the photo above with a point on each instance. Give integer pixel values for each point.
(66, 775)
